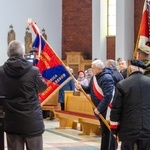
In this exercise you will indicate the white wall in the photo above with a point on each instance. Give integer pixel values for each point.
(125, 29)
(46, 13)
(99, 29)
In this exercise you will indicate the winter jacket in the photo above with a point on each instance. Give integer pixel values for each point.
(116, 75)
(106, 83)
(130, 114)
(21, 82)
(69, 86)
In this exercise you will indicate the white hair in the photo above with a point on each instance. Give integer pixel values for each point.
(136, 68)
(15, 48)
(98, 63)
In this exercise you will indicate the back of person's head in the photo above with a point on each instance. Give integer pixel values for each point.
(119, 59)
(16, 48)
(111, 63)
(137, 65)
(98, 63)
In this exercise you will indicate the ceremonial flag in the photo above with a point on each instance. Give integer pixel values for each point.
(50, 65)
(144, 27)
(144, 32)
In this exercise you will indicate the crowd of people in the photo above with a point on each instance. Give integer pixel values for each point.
(123, 89)
(118, 90)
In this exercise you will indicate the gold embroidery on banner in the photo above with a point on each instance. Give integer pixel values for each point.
(46, 56)
(45, 62)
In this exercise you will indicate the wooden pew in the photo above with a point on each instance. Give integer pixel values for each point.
(52, 105)
(78, 110)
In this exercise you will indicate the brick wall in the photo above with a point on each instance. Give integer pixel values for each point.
(110, 41)
(77, 27)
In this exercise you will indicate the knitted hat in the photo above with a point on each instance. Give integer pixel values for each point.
(81, 71)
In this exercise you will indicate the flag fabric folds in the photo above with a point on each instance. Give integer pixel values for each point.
(51, 68)
(144, 27)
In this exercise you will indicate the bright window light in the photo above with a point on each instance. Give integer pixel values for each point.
(111, 17)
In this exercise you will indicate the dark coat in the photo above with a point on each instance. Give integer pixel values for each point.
(106, 83)
(131, 107)
(69, 86)
(116, 75)
(124, 73)
(21, 82)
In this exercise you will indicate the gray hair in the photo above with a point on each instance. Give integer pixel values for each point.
(112, 63)
(16, 48)
(98, 63)
(136, 68)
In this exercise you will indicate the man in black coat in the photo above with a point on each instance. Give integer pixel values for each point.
(130, 113)
(20, 83)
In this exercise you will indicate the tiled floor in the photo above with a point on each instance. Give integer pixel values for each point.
(67, 139)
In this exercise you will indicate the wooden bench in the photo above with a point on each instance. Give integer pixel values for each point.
(78, 110)
(51, 105)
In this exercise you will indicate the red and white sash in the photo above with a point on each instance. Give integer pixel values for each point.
(97, 90)
(99, 93)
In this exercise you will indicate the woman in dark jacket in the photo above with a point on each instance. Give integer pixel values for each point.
(20, 83)
(69, 86)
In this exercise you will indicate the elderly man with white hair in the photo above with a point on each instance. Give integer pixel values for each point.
(101, 89)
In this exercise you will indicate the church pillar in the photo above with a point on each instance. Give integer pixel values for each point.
(99, 29)
(124, 29)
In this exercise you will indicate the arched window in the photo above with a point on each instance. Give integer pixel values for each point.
(111, 18)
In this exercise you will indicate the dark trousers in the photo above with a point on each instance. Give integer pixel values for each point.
(142, 144)
(62, 106)
(16, 142)
(108, 142)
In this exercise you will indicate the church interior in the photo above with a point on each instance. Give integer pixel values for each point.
(78, 132)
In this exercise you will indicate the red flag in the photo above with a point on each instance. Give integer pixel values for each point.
(144, 27)
(50, 65)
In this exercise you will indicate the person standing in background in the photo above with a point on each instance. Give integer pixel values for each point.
(20, 83)
(117, 76)
(123, 68)
(72, 72)
(69, 86)
(82, 79)
(143, 54)
(130, 111)
(89, 74)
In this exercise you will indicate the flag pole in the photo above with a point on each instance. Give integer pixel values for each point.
(36, 30)
(102, 118)
(94, 107)
(144, 27)
(136, 45)
(88, 98)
